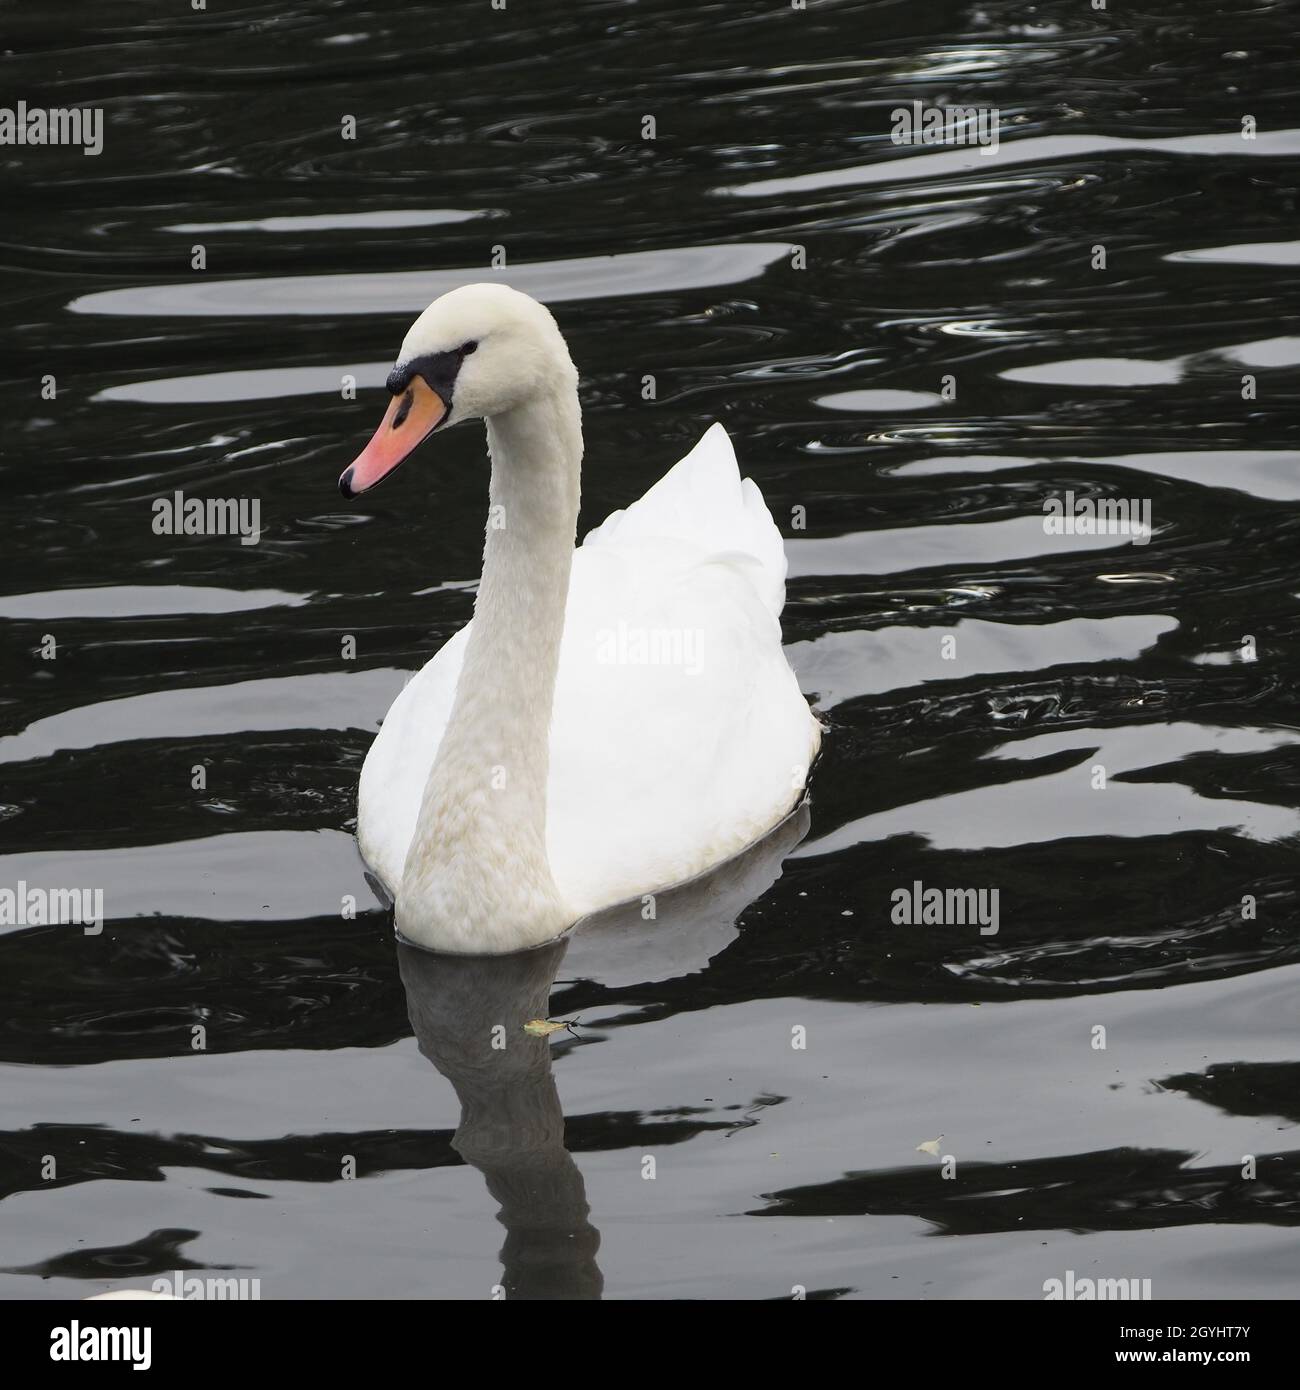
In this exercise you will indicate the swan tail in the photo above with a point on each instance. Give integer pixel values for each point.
(703, 501)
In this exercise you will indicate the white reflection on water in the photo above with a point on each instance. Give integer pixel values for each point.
(410, 291)
(1270, 474)
(1064, 804)
(338, 221)
(1038, 147)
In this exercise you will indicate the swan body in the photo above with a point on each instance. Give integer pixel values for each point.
(616, 718)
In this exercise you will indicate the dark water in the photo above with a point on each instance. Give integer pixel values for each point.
(970, 766)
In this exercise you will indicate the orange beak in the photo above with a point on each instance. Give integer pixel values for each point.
(408, 421)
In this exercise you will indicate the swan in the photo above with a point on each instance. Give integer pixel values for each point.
(615, 719)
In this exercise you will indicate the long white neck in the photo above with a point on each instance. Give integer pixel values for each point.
(477, 876)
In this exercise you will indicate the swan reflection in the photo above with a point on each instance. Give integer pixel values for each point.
(469, 1013)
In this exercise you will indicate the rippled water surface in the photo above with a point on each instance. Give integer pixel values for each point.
(914, 349)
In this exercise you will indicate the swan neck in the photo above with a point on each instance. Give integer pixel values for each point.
(477, 874)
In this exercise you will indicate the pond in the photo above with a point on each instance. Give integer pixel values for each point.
(923, 354)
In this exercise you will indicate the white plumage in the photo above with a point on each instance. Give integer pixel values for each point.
(657, 772)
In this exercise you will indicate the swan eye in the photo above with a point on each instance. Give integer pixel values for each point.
(468, 348)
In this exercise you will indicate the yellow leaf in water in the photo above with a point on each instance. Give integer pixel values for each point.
(931, 1146)
(544, 1027)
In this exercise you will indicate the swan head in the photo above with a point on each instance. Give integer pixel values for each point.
(478, 351)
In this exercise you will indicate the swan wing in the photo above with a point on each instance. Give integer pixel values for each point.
(679, 734)
(397, 766)
(703, 502)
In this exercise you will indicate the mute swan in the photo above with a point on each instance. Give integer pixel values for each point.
(615, 719)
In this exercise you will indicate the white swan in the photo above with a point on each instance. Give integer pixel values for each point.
(615, 719)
